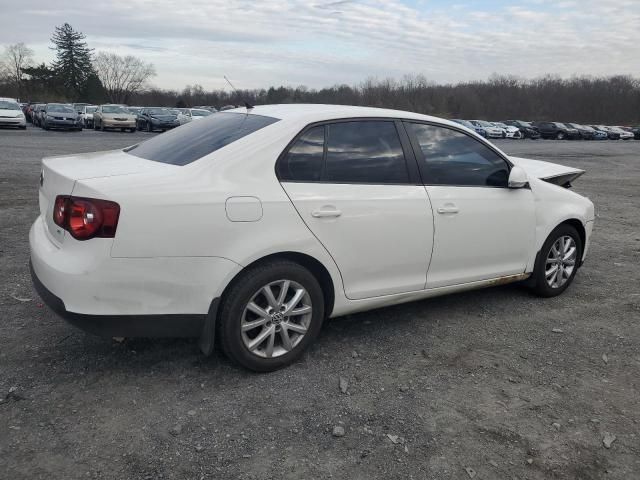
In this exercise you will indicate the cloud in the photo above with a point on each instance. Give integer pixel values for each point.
(323, 43)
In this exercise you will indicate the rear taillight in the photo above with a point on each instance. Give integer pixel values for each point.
(86, 218)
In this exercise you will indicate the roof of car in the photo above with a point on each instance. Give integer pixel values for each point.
(320, 112)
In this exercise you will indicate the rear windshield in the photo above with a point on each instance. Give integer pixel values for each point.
(194, 140)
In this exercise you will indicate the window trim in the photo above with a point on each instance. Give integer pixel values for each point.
(419, 154)
(411, 162)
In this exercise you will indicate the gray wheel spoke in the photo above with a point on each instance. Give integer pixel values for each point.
(294, 327)
(300, 311)
(286, 341)
(257, 310)
(570, 253)
(295, 300)
(268, 293)
(271, 342)
(246, 326)
(283, 292)
(552, 270)
(266, 332)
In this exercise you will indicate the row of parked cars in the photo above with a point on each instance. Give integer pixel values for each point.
(77, 116)
(519, 129)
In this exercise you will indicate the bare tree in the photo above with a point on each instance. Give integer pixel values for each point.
(122, 76)
(17, 57)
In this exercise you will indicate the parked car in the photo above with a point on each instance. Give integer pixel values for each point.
(135, 110)
(110, 117)
(259, 224)
(624, 134)
(60, 116)
(636, 132)
(157, 118)
(526, 128)
(29, 111)
(585, 131)
(80, 107)
(508, 131)
(186, 115)
(611, 134)
(557, 131)
(479, 130)
(11, 114)
(206, 107)
(489, 129)
(87, 115)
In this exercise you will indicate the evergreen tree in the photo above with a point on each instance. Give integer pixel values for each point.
(73, 60)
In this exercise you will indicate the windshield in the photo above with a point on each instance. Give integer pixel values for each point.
(200, 113)
(560, 125)
(134, 110)
(114, 109)
(60, 108)
(90, 109)
(158, 111)
(5, 105)
(500, 124)
(194, 140)
(482, 123)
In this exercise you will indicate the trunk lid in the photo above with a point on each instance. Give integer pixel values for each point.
(550, 172)
(60, 174)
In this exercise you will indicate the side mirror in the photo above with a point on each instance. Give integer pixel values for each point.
(518, 177)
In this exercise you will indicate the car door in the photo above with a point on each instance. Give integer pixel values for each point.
(356, 186)
(483, 229)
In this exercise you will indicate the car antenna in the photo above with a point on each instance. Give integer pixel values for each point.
(246, 104)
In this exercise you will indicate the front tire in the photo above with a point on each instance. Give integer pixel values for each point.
(557, 262)
(270, 315)
(560, 136)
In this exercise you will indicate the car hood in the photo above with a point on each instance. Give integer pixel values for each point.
(551, 172)
(128, 116)
(10, 113)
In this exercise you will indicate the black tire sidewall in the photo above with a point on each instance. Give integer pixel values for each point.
(239, 294)
(541, 286)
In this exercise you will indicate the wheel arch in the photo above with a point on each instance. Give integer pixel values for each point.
(577, 224)
(317, 269)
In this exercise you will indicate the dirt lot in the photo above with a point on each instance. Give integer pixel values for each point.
(470, 385)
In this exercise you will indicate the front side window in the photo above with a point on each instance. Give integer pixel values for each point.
(194, 140)
(364, 152)
(453, 158)
(303, 161)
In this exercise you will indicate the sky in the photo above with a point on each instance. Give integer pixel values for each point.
(319, 43)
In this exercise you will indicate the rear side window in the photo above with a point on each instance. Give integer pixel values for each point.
(364, 152)
(453, 158)
(303, 161)
(194, 140)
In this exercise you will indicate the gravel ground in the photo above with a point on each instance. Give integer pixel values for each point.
(488, 384)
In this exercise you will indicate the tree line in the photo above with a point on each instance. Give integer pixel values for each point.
(77, 74)
(80, 74)
(611, 100)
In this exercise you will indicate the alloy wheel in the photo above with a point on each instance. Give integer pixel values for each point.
(561, 261)
(276, 318)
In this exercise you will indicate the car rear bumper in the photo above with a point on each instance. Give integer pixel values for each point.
(88, 282)
(122, 325)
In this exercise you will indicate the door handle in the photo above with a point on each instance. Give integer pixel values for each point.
(448, 209)
(326, 213)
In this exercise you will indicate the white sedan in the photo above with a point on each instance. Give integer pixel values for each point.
(509, 131)
(11, 114)
(257, 224)
(491, 131)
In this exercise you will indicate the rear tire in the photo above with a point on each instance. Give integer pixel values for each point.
(563, 251)
(285, 336)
